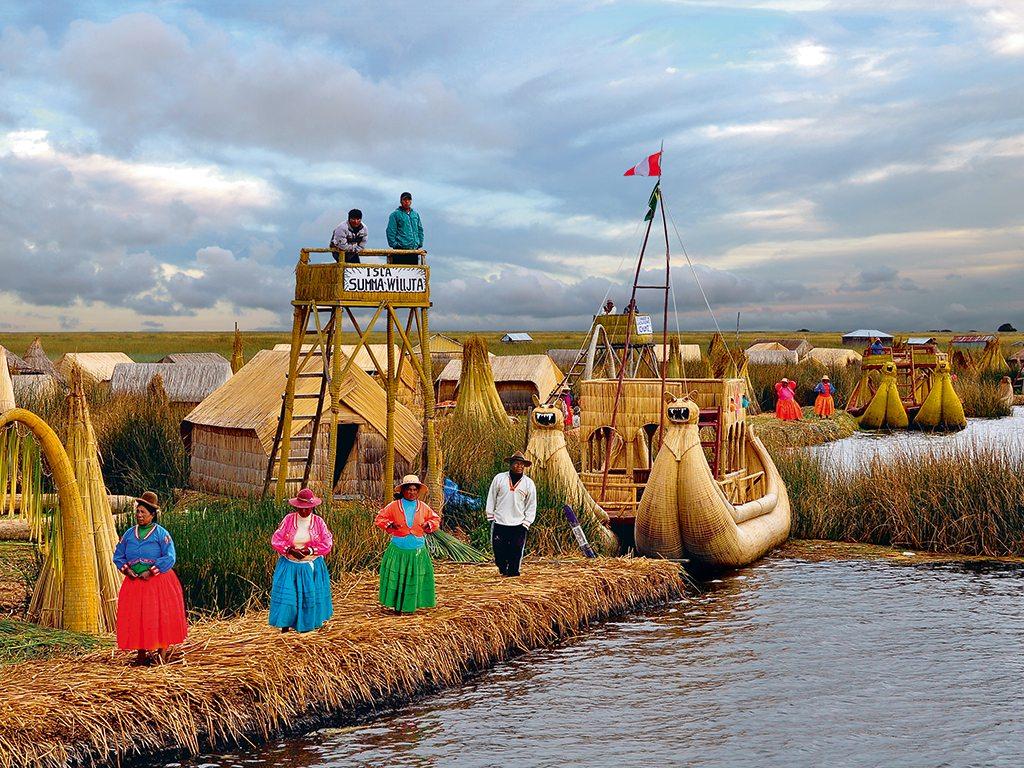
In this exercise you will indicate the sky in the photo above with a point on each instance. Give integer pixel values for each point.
(828, 164)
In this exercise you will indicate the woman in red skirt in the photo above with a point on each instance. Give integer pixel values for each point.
(150, 606)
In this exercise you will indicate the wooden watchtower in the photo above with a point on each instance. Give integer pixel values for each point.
(392, 286)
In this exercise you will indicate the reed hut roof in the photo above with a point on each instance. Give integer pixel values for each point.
(800, 346)
(183, 382)
(538, 370)
(38, 360)
(15, 364)
(563, 358)
(834, 355)
(95, 366)
(194, 358)
(363, 359)
(690, 352)
(439, 342)
(251, 400)
(772, 356)
(766, 346)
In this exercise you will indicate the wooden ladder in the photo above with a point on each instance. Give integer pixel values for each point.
(320, 349)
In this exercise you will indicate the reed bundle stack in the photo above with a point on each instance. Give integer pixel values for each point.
(478, 400)
(886, 411)
(237, 357)
(6, 385)
(238, 681)
(674, 363)
(942, 408)
(46, 607)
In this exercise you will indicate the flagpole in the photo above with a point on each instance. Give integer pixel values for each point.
(664, 316)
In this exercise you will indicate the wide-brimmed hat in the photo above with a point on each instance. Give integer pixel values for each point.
(824, 378)
(412, 480)
(149, 501)
(518, 456)
(785, 380)
(305, 499)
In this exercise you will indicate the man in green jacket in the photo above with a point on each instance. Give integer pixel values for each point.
(405, 232)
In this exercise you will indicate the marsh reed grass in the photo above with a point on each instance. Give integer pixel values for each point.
(238, 682)
(966, 500)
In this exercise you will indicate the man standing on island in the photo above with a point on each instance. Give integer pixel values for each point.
(350, 237)
(511, 508)
(405, 231)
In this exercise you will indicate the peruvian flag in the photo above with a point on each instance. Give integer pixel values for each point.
(649, 167)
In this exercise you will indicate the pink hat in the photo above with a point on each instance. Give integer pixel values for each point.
(305, 500)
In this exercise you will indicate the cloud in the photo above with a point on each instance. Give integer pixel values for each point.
(810, 55)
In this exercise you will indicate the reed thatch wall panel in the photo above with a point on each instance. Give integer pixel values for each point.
(185, 383)
(772, 357)
(834, 356)
(195, 358)
(538, 372)
(96, 367)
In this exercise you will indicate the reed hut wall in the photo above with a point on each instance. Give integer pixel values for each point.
(772, 357)
(195, 358)
(834, 356)
(518, 378)
(185, 383)
(33, 386)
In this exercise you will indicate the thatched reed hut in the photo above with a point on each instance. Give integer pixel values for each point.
(690, 352)
(38, 360)
(186, 384)
(16, 365)
(31, 387)
(195, 358)
(518, 379)
(231, 433)
(771, 353)
(834, 356)
(800, 346)
(408, 390)
(443, 349)
(96, 367)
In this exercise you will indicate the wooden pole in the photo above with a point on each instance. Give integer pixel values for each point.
(434, 480)
(284, 450)
(332, 441)
(389, 456)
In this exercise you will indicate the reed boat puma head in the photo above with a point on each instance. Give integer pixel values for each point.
(942, 366)
(546, 416)
(681, 410)
(889, 368)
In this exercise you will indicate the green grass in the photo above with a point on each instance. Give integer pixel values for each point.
(22, 641)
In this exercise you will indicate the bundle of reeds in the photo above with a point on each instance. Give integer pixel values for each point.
(240, 682)
(237, 359)
(478, 400)
(22, 640)
(444, 546)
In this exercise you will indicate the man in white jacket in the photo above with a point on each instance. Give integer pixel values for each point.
(511, 508)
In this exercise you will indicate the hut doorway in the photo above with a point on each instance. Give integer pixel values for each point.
(347, 434)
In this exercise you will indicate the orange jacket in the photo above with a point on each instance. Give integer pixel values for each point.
(392, 519)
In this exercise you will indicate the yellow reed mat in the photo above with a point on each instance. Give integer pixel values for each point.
(241, 679)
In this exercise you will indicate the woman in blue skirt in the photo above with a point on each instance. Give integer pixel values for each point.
(300, 598)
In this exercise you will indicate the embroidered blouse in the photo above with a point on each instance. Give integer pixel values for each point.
(320, 539)
(407, 526)
(155, 548)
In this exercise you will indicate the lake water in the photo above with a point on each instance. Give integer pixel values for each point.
(786, 663)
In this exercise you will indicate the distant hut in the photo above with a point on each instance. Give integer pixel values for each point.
(231, 433)
(981, 353)
(96, 367)
(443, 349)
(689, 353)
(829, 356)
(195, 358)
(518, 379)
(186, 384)
(516, 338)
(800, 346)
(16, 365)
(37, 359)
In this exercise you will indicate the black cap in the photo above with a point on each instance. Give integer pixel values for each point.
(355, 213)
(405, 196)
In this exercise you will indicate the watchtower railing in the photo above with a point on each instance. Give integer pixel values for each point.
(388, 278)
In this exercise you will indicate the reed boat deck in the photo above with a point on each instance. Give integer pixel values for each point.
(237, 682)
(632, 445)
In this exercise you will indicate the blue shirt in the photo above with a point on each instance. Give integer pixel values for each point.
(156, 549)
(410, 541)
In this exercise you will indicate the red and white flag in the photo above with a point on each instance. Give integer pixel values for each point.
(649, 167)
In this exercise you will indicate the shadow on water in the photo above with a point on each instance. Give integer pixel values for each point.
(789, 662)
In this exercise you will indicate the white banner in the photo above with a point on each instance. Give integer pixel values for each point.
(644, 325)
(384, 280)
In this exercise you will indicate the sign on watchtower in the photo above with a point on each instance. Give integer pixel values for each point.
(311, 450)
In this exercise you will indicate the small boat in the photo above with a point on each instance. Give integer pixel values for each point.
(686, 512)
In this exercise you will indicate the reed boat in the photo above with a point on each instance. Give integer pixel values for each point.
(686, 511)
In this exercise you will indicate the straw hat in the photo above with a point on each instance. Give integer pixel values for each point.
(149, 501)
(412, 480)
(518, 456)
(305, 499)
(824, 378)
(785, 380)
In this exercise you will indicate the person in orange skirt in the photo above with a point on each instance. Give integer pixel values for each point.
(824, 404)
(786, 407)
(150, 605)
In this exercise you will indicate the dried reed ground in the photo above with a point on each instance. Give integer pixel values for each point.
(238, 681)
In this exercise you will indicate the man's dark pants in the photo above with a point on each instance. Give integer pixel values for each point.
(508, 542)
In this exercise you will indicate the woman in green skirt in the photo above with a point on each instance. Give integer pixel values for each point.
(406, 573)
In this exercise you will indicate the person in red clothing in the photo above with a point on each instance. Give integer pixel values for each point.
(824, 404)
(786, 407)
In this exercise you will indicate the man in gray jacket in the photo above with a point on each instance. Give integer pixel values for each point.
(405, 231)
(350, 237)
